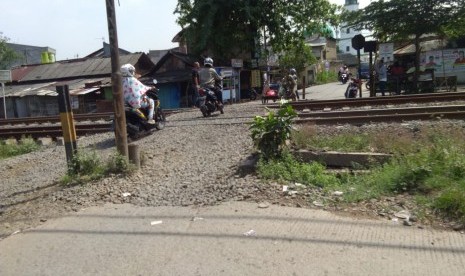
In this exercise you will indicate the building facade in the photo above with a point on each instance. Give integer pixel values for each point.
(346, 33)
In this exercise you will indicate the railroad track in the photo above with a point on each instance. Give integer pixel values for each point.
(355, 117)
(53, 131)
(388, 100)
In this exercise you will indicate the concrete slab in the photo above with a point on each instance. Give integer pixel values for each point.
(121, 240)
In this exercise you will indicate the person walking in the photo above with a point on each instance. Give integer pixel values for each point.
(382, 76)
(195, 84)
(294, 76)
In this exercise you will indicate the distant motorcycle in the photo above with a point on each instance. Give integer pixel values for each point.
(208, 102)
(344, 78)
(352, 88)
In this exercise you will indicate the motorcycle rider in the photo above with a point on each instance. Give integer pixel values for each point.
(294, 76)
(209, 77)
(288, 85)
(134, 91)
(343, 70)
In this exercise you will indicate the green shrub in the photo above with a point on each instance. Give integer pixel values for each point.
(25, 145)
(86, 166)
(270, 133)
(117, 163)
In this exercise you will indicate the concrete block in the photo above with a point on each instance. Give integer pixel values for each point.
(60, 141)
(45, 141)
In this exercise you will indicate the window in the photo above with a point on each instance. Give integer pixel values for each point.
(348, 30)
(347, 48)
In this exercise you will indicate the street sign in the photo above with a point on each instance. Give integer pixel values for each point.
(370, 46)
(236, 63)
(5, 76)
(358, 42)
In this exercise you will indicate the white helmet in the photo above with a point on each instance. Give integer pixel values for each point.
(208, 61)
(128, 70)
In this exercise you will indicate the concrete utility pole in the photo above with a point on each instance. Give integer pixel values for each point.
(118, 101)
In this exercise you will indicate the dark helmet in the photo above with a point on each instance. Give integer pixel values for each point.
(293, 71)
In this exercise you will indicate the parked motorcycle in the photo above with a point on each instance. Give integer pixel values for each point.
(271, 94)
(137, 119)
(208, 102)
(253, 94)
(352, 88)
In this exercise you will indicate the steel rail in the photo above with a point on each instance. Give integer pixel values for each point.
(387, 111)
(52, 131)
(388, 100)
(56, 119)
(386, 118)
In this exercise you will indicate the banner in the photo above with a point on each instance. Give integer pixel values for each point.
(449, 61)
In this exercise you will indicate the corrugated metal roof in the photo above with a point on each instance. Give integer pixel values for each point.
(76, 87)
(76, 68)
(429, 45)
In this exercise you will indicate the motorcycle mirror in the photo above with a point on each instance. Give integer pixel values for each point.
(155, 81)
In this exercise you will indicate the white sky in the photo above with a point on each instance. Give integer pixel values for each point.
(76, 27)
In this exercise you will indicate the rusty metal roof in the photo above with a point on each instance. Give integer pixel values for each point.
(94, 67)
(76, 87)
(425, 46)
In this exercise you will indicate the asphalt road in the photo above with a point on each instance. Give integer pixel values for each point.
(234, 238)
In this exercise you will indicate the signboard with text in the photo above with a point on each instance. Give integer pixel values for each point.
(236, 63)
(386, 52)
(5, 76)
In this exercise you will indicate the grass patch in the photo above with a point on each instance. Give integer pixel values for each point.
(289, 169)
(428, 162)
(25, 145)
(326, 77)
(86, 166)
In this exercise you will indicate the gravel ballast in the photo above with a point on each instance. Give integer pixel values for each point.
(193, 161)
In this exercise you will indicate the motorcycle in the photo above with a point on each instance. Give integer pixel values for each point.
(208, 102)
(253, 94)
(352, 88)
(137, 119)
(344, 78)
(271, 94)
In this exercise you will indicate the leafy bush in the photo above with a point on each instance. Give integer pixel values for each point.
(271, 132)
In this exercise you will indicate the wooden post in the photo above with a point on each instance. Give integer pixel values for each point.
(303, 87)
(134, 155)
(67, 123)
(116, 82)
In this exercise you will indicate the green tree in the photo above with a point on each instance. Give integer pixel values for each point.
(298, 56)
(409, 20)
(226, 28)
(7, 55)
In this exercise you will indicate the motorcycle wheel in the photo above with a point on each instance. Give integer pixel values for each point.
(160, 119)
(253, 95)
(204, 110)
(133, 131)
